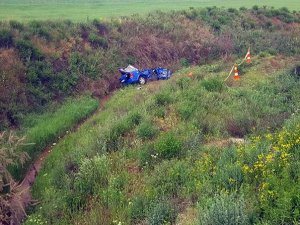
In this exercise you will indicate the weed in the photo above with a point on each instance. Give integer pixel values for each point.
(27, 51)
(6, 39)
(97, 41)
(163, 98)
(168, 146)
(147, 131)
(213, 85)
(160, 213)
(225, 209)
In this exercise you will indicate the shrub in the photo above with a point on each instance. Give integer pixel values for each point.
(135, 118)
(63, 83)
(184, 62)
(170, 178)
(16, 25)
(6, 39)
(239, 127)
(161, 213)
(39, 82)
(224, 209)
(232, 10)
(113, 138)
(147, 131)
(168, 146)
(186, 109)
(43, 33)
(101, 27)
(27, 51)
(159, 111)
(92, 175)
(97, 41)
(212, 85)
(138, 208)
(163, 98)
(183, 82)
(147, 155)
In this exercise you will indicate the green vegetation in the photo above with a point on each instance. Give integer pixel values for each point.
(228, 151)
(42, 130)
(114, 165)
(82, 10)
(46, 61)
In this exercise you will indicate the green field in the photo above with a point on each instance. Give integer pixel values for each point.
(81, 10)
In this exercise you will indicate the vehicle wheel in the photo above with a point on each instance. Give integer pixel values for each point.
(142, 80)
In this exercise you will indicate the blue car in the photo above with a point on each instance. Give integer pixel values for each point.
(132, 75)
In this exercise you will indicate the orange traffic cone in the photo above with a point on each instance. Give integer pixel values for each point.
(236, 73)
(248, 56)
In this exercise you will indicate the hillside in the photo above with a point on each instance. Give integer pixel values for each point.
(44, 62)
(168, 152)
(195, 149)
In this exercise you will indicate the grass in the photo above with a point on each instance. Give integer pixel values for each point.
(80, 10)
(144, 174)
(44, 129)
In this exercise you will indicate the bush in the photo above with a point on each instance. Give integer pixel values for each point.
(138, 208)
(163, 98)
(92, 175)
(170, 178)
(224, 209)
(39, 82)
(161, 213)
(186, 109)
(113, 138)
(27, 51)
(97, 41)
(168, 146)
(16, 25)
(183, 82)
(147, 131)
(6, 39)
(212, 85)
(184, 62)
(135, 118)
(239, 127)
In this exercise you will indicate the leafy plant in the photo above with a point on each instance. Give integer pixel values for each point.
(161, 213)
(98, 41)
(224, 209)
(6, 39)
(92, 175)
(213, 85)
(168, 146)
(147, 131)
(27, 51)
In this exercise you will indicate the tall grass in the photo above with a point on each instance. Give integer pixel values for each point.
(43, 130)
(182, 163)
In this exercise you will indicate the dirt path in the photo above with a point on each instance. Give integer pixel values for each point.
(24, 198)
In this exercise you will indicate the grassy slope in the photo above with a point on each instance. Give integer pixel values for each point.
(42, 130)
(80, 10)
(194, 111)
